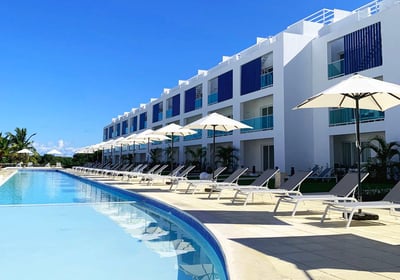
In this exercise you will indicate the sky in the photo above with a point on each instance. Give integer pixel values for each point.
(68, 67)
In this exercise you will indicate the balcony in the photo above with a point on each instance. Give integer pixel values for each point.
(267, 80)
(168, 114)
(213, 98)
(198, 103)
(345, 116)
(218, 133)
(336, 69)
(195, 136)
(259, 123)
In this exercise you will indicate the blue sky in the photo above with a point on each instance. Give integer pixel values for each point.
(68, 67)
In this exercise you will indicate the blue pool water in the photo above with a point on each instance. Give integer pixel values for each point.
(55, 226)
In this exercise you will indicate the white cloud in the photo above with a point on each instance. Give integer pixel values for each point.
(61, 146)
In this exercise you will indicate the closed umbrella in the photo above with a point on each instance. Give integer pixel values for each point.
(357, 92)
(174, 130)
(215, 121)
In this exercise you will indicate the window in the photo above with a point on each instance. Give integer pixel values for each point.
(143, 120)
(213, 91)
(221, 88)
(157, 112)
(356, 51)
(125, 127)
(193, 98)
(173, 106)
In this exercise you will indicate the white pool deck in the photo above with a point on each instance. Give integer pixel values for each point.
(260, 245)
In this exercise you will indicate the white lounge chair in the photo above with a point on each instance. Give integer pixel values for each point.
(391, 201)
(195, 184)
(259, 185)
(231, 182)
(342, 191)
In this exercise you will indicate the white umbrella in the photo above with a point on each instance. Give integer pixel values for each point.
(357, 92)
(148, 135)
(132, 140)
(54, 152)
(25, 151)
(215, 122)
(174, 130)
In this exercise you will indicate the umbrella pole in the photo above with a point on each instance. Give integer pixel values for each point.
(172, 152)
(213, 157)
(358, 146)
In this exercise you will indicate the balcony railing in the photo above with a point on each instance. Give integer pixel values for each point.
(195, 136)
(198, 103)
(218, 133)
(267, 80)
(213, 98)
(259, 123)
(168, 114)
(336, 69)
(345, 116)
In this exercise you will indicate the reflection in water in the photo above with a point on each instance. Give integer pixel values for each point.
(158, 232)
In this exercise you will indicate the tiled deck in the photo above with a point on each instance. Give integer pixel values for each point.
(259, 245)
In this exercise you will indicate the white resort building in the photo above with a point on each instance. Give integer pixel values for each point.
(261, 84)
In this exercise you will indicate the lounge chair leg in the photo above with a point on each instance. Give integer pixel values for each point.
(325, 213)
(295, 209)
(277, 205)
(350, 218)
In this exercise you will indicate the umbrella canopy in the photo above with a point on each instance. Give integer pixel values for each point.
(149, 136)
(215, 121)
(357, 92)
(174, 130)
(25, 151)
(54, 152)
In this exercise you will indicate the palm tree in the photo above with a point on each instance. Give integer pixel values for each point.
(198, 157)
(226, 156)
(155, 155)
(20, 140)
(382, 164)
(4, 147)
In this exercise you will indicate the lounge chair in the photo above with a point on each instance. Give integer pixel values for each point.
(259, 185)
(150, 179)
(231, 182)
(195, 184)
(181, 176)
(391, 201)
(290, 187)
(147, 177)
(342, 191)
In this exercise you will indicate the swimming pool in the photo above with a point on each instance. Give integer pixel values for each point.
(55, 226)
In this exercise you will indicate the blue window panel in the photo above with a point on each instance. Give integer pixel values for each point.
(105, 134)
(156, 111)
(198, 103)
(142, 120)
(110, 132)
(168, 113)
(190, 99)
(134, 124)
(363, 49)
(225, 86)
(118, 130)
(176, 104)
(125, 127)
(250, 79)
(212, 98)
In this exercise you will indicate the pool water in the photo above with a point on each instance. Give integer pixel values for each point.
(54, 226)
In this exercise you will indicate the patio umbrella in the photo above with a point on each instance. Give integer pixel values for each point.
(357, 92)
(215, 121)
(148, 135)
(26, 152)
(174, 130)
(54, 152)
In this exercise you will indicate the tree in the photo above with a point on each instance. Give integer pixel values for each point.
(4, 147)
(20, 140)
(382, 165)
(155, 155)
(198, 157)
(226, 156)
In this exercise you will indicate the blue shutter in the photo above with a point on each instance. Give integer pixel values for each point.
(363, 49)
(176, 104)
(250, 79)
(142, 120)
(156, 111)
(134, 124)
(190, 99)
(225, 87)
